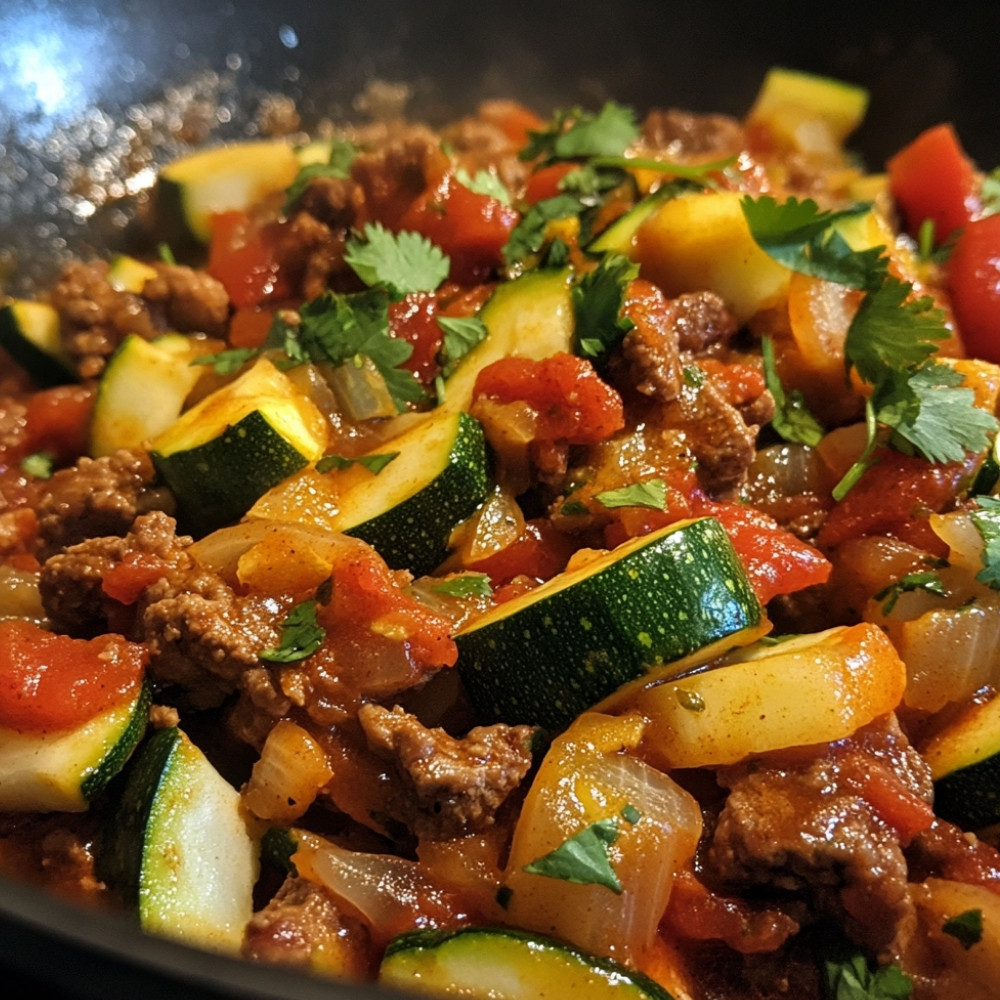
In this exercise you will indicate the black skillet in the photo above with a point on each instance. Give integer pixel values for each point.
(73, 74)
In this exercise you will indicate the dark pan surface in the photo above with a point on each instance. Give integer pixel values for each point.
(75, 77)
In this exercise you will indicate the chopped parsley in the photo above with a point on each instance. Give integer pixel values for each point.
(966, 928)
(583, 859)
(466, 585)
(301, 635)
(987, 521)
(373, 463)
(652, 493)
(926, 580)
(597, 305)
(401, 262)
(792, 419)
(846, 975)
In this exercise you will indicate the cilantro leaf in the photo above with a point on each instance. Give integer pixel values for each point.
(652, 493)
(403, 262)
(987, 521)
(926, 580)
(529, 235)
(38, 464)
(373, 463)
(597, 304)
(301, 635)
(338, 165)
(461, 334)
(226, 362)
(792, 419)
(483, 182)
(966, 928)
(847, 976)
(800, 236)
(466, 585)
(583, 859)
(577, 134)
(338, 329)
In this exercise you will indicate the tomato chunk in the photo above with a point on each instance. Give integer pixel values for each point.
(932, 178)
(51, 682)
(974, 281)
(244, 258)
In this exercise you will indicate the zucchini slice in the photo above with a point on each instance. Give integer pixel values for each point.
(127, 274)
(620, 235)
(29, 331)
(62, 771)
(222, 454)
(177, 846)
(142, 391)
(530, 317)
(500, 963)
(545, 657)
(191, 189)
(965, 764)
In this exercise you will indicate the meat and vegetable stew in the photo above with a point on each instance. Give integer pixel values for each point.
(534, 555)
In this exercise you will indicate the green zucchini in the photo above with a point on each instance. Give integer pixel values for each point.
(29, 332)
(500, 963)
(62, 771)
(550, 654)
(191, 189)
(177, 847)
(238, 442)
(127, 274)
(142, 391)
(530, 317)
(965, 764)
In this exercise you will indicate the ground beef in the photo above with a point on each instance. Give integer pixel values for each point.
(802, 826)
(392, 176)
(681, 133)
(334, 201)
(95, 497)
(481, 144)
(95, 317)
(193, 301)
(312, 255)
(454, 786)
(303, 926)
(703, 322)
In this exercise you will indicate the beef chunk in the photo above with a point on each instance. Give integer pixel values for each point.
(681, 133)
(454, 785)
(96, 317)
(805, 826)
(303, 927)
(392, 176)
(703, 321)
(193, 301)
(95, 497)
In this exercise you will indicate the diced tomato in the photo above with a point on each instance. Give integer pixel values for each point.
(775, 560)
(739, 383)
(243, 256)
(932, 178)
(892, 801)
(414, 319)
(894, 497)
(471, 228)
(126, 580)
(544, 183)
(513, 118)
(51, 682)
(973, 273)
(573, 403)
(58, 422)
(539, 552)
(250, 326)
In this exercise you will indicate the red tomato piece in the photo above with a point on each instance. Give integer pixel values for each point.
(414, 319)
(250, 326)
(471, 228)
(58, 421)
(573, 403)
(544, 183)
(51, 682)
(932, 178)
(244, 258)
(775, 560)
(974, 281)
(126, 580)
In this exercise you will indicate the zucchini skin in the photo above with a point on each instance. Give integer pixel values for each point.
(544, 658)
(430, 960)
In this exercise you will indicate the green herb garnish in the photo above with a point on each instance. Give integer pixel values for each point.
(466, 585)
(926, 580)
(583, 859)
(597, 305)
(966, 928)
(373, 463)
(301, 635)
(652, 493)
(401, 262)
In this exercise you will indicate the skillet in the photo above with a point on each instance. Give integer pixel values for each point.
(73, 75)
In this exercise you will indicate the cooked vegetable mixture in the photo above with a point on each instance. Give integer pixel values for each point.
(530, 557)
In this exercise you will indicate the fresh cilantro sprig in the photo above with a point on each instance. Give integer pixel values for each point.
(792, 419)
(337, 165)
(227, 362)
(483, 182)
(460, 335)
(597, 304)
(301, 634)
(966, 928)
(530, 235)
(401, 262)
(373, 463)
(578, 134)
(986, 518)
(926, 580)
(651, 493)
(846, 975)
(466, 585)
